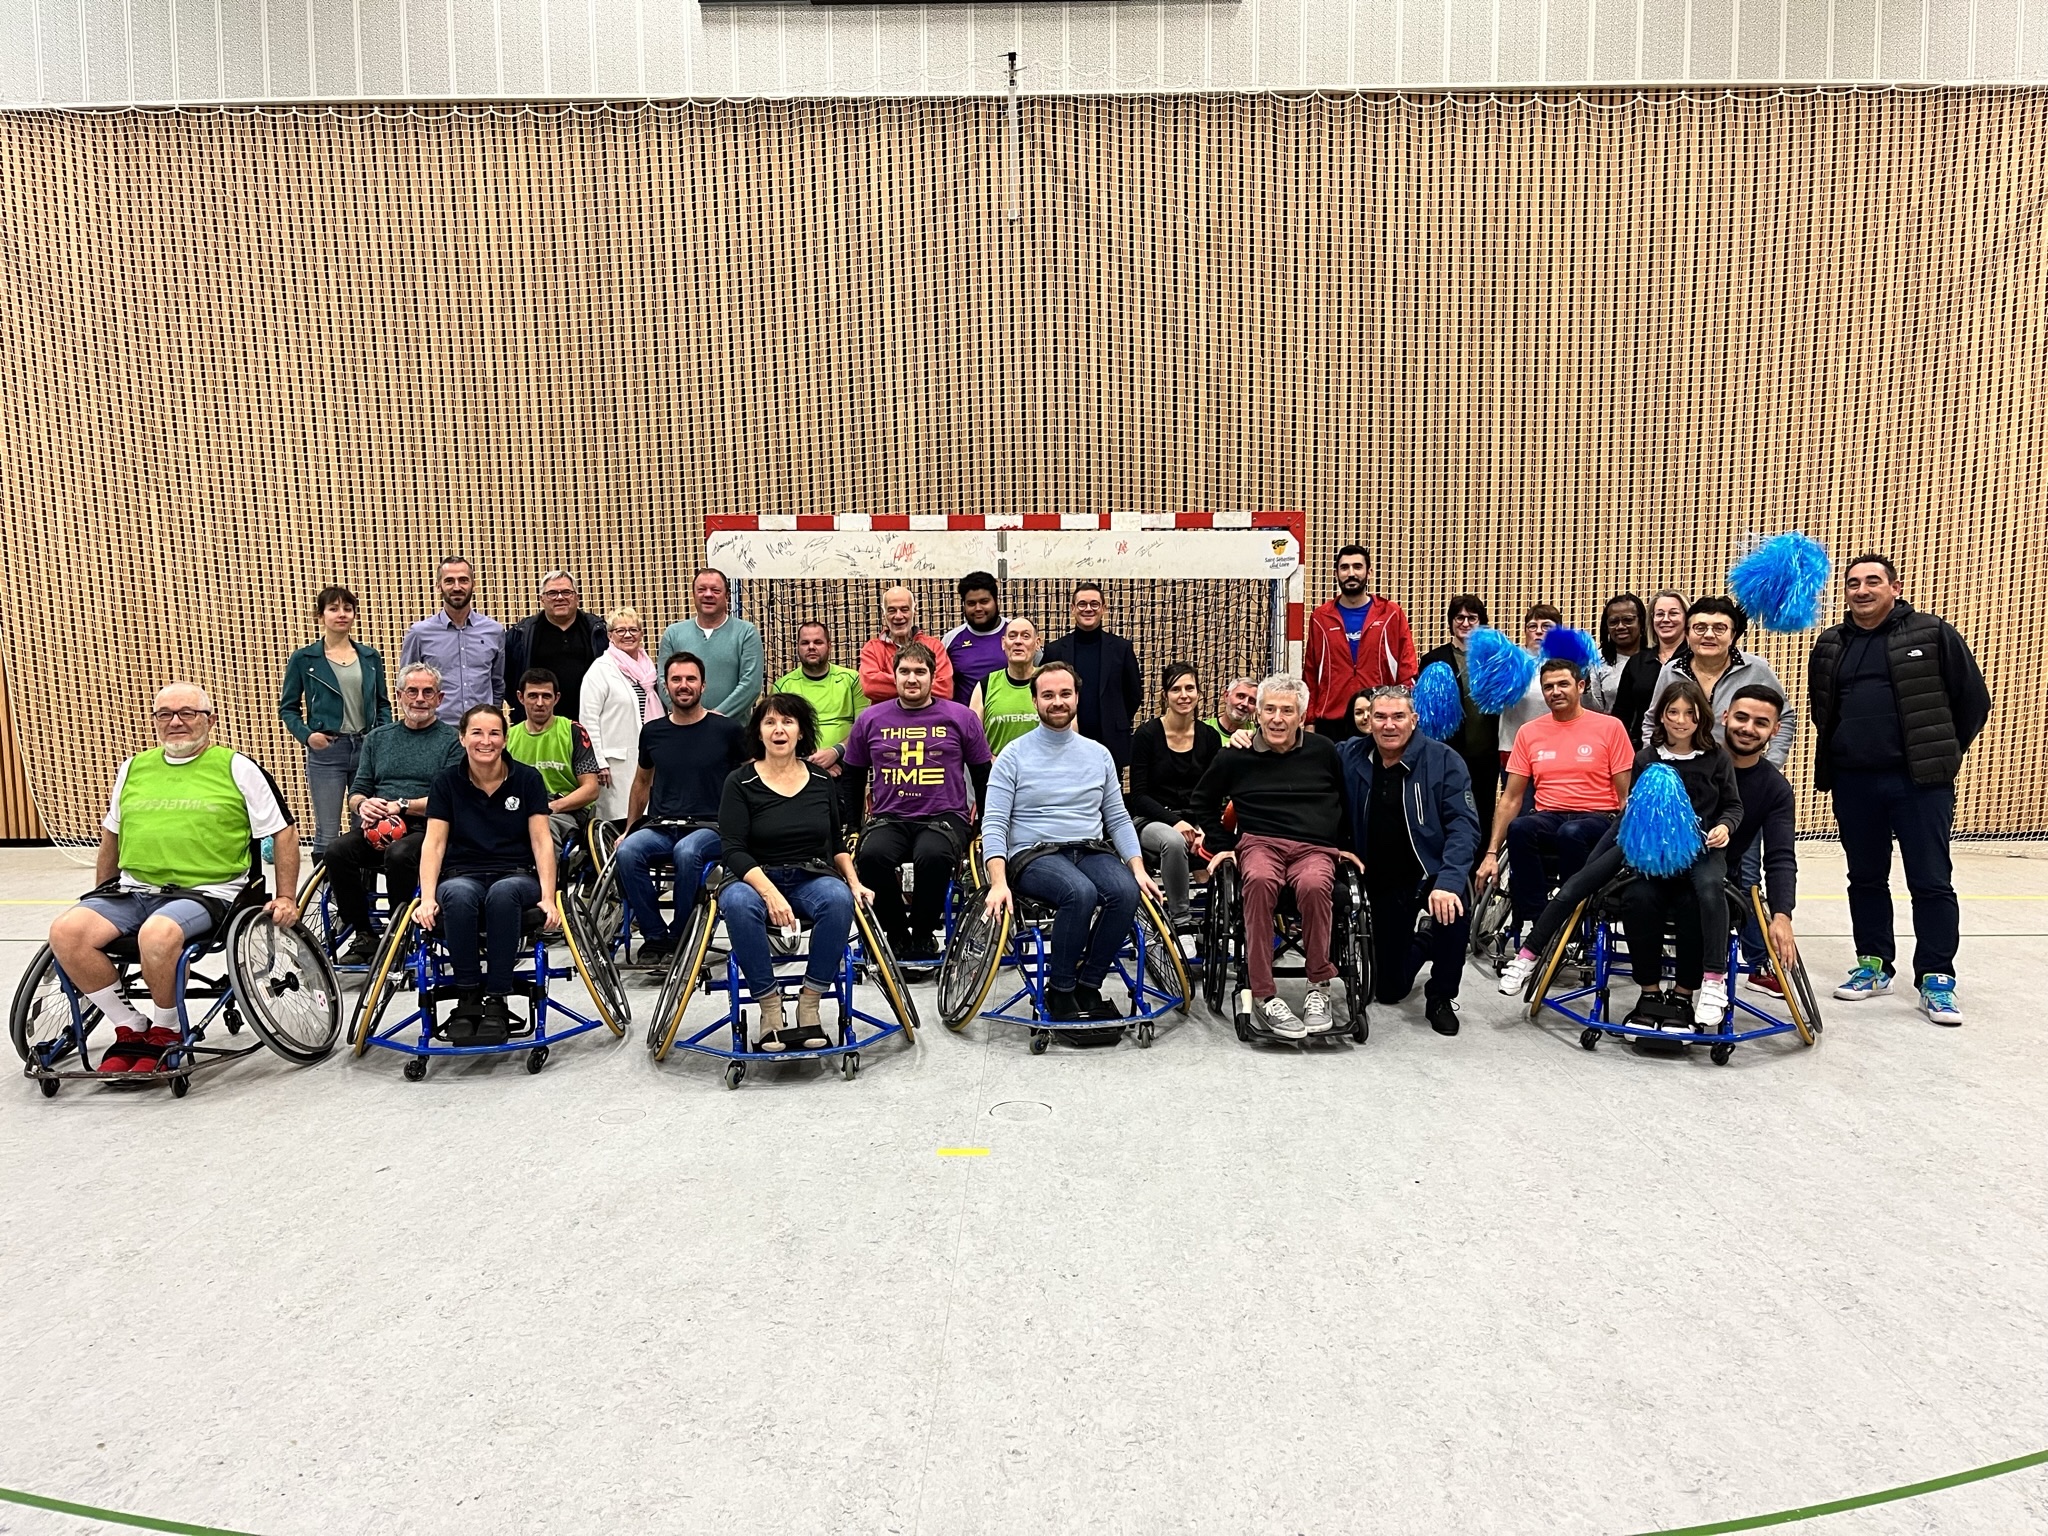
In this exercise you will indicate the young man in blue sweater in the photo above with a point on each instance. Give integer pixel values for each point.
(1057, 795)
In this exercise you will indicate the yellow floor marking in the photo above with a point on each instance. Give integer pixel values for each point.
(963, 1151)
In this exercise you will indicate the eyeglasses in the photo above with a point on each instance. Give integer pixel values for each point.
(1465, 618)
(1722, 628)
(166, 716)
(419, 693)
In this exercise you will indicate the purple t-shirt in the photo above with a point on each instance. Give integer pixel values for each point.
(918, 758)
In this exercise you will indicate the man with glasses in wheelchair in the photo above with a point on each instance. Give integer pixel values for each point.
(1288, 790)
(174, 859)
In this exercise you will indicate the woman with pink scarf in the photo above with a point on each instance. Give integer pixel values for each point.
(620, 694)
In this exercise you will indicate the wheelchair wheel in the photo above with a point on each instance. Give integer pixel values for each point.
(971, 962)
(1538, 986)
(1492, 910)
(387, 974)
(317, 914)
(1165, 972)
(886, 973)
(1219, 937)
(593, 960)
(1355, 959)
(41, 1013)
(1798, 991)
(679, 984)
(284, 985)
(605, 903)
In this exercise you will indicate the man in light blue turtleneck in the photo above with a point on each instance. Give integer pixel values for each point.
(1056, 791)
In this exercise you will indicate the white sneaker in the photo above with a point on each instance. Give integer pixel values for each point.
(1710, 1002)
(1280, 1020)
(1514, 976)
(1315, 1011)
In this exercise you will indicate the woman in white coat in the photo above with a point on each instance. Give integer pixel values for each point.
(620, 694)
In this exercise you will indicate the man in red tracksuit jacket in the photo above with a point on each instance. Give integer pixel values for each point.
(1355, 642)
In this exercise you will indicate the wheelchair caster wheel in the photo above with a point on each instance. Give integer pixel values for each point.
(1361, 1032)
(536, 1058)
(1145, 1035)
(849, 1065)
(1040, 1039)
(1588, 1038)
(1244, 1028)
(416, 1069)
(180, 1086)
(234, 1022)
(735, 1074)
(49, 1085)
(1720, 1054)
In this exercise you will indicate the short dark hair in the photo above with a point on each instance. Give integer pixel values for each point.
(1548, 611)
(1172, 673)
(1763, 693)
(333, 595)
(1873, 558)
(1054, 666)
(812, 624)
(915, 650)
(1727, 607)
(1559, 664)
(724, 580)
(1354, 549)
(1642, 623)
(539, 677)
(1088, 586)
(791, 706)
(479, 709)
(979, 581)
(461, 560)
(690, 656)
(1465, 602)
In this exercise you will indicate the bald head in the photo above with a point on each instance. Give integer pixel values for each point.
(899, 614)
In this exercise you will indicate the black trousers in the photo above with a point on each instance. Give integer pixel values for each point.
(352, 865)
(931, 845)
(1399, 952)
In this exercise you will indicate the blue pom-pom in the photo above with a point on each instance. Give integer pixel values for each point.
(1497, 670)
(1438, 708)
(1572, 645)
(1780, 582)
(1659, 834)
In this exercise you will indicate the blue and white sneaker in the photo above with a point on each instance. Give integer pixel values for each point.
(1938, 999)
(1867, 980)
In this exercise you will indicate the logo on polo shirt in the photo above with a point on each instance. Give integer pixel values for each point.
(1585, 751)
(511, 802)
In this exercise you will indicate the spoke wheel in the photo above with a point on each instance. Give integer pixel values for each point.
(1798, 992)
(284, 985)
(41, 1012)
(1165, 972)
(881, 964)
(385, 968)
(1538, 987)
(593, 960)
(971, 963)
(679, 985)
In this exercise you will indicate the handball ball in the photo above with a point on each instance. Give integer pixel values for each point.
(384, 831)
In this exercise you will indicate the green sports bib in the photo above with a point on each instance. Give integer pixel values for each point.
(1007, 712)
(551, 754)
(184, 823)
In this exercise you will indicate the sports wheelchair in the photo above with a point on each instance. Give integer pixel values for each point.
(1226, 969)
(868, 958)
(980, 946)
(412, 960)
(1590, 948)
(277, 980)
(1493, 921)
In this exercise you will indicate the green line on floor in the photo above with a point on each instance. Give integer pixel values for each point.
(87, 1512)
(1860, 1501)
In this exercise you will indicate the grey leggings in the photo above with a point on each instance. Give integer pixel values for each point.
(1159, 840)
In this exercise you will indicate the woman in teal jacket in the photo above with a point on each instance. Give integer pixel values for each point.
(333, 695)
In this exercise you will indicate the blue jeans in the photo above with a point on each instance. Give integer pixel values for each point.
(1075, 884)
(495, 905)
(1569, 835)
(824, 899)
(1748, 873)
(640, 851)
(329, 770)
(1871, 809)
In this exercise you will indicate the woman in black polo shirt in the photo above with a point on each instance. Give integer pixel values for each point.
(488, 856)
(781, 830)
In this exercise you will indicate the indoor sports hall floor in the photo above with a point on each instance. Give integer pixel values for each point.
(1490, 1283)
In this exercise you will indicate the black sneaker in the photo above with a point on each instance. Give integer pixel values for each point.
(362, 949)
(495, 1026)
(657, 951)
(1442, 1014)
(1061, 1005)
(918, 952)
(466, 1016)
(1094, 1005)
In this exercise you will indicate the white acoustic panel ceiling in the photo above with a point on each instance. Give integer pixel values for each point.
(66, 52)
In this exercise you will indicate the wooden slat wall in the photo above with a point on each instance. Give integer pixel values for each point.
(1538, 347)
(18, 819)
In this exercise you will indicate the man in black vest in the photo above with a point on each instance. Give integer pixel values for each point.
(1896, 698)
(1106, 667)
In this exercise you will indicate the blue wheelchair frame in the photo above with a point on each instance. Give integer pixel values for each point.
(423, 970)
(1606, 951)
(1149, 1003)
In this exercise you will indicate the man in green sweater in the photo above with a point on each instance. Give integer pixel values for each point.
(730, 648)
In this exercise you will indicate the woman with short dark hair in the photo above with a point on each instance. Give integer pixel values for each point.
(1168, 756)
(1477, 739)
(333, 696)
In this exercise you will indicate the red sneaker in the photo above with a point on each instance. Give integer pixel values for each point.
(161, 1038)
(121, 1055)
(1766, 981)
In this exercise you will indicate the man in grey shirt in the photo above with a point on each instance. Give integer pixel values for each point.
(466, 647)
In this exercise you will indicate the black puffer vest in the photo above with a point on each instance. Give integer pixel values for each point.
(1927, 723)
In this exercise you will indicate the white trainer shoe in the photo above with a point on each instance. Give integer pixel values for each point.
(1710, 1002)
(1514, 976)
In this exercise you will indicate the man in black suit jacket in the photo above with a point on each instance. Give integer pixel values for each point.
(1111, 688)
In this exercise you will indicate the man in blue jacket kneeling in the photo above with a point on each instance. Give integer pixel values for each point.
(1414, 824)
